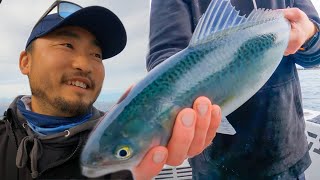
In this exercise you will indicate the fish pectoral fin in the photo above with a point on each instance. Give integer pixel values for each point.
(225, 127)
(221, 15)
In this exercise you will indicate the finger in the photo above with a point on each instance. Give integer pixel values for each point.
(292, 14)
(214, 124)
(182, 136)
(125, 94)
(296, 39)
(295, 42)
(286, 53)
(151, 164)
(202, 105)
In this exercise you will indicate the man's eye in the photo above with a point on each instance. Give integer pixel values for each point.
(98, 56)
(68, 45)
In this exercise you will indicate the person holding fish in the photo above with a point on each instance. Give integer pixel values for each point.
(42, 135)
(270, 141)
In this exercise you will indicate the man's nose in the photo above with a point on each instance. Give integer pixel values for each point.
(82, 63)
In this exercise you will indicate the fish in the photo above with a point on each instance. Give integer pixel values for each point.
(229, 58)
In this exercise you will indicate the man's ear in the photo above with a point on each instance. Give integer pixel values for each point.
(24, 63)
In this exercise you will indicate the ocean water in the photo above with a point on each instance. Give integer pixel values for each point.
(310, 87)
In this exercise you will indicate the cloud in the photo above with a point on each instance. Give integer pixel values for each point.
(19, 88)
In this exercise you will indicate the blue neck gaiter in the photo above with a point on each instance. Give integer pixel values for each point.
(46, 125)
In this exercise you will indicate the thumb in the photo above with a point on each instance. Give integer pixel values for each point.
(125, 94)
(151, 164)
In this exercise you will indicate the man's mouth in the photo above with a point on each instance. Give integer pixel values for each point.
(78, 84)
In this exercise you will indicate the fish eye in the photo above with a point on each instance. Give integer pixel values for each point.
(124, 152)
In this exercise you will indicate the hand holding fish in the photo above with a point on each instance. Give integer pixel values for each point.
(302, 29)
(193, 131)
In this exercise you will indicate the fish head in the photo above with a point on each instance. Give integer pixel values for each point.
(118, 142)
(101, 160)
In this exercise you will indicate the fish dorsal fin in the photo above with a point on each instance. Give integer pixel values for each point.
(221, 15)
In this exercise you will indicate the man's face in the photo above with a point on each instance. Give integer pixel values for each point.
(66, 72)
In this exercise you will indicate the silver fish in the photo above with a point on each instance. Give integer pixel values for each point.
(229, 58)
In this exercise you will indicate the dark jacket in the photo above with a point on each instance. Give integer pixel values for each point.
(270, 140)
(50, 157)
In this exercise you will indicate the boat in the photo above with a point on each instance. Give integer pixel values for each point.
(312, 119)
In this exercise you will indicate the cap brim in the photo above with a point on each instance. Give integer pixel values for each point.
(103, 24)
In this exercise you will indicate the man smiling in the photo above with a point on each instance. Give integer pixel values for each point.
(65, 91)
(42, 135)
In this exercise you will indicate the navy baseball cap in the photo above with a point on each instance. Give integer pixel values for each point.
(101, 22)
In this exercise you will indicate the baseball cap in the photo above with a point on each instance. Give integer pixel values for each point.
(101, 22)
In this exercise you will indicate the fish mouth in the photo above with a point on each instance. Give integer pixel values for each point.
(95, 172)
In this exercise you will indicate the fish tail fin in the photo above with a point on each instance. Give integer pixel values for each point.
(221, 15)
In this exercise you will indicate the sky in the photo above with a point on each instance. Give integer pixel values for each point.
(17, 18)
